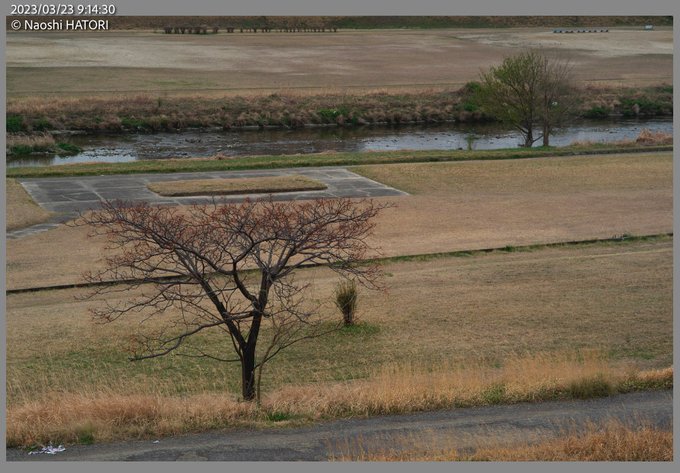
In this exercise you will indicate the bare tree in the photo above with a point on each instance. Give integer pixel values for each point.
(530, 92)
(229, 268)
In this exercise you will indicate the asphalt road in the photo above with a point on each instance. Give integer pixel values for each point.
(463, 428)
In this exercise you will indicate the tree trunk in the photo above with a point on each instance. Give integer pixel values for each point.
(248, 374)
(529, 138)
(546, 137)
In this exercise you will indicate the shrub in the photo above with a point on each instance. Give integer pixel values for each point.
(330, 115)
(20, 149)
(470, 106)
(135, 123)
(640, 106)
(346, 300)
(596, 112)
(15, 123)
(471, 88)
(42, 124)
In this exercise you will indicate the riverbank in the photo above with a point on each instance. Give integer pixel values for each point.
(220, 163)
(296, 109)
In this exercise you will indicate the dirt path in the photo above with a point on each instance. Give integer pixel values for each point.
(465, 428)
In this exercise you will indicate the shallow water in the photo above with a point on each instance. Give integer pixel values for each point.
(123, 148)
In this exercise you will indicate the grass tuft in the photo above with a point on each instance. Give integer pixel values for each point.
(346, 301)
(588, 388)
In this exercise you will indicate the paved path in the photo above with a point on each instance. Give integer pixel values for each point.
(67, 196)
(460, 427)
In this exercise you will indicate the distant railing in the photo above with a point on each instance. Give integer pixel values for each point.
(184, 29)
(581, 30)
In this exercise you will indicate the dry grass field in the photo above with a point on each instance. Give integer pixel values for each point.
(257, 185)
(59, 64)
(491, 204)
(511, 318)
(22, 211)
(453, 206)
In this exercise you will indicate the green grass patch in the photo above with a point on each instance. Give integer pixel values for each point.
(494, 394)
(85, 434)
(277, 416)
(360, 328)
(67, 149)
(21, 149)
(134, 123)
(15, 124)
(330, 115)
(596, 112)
(61, 149)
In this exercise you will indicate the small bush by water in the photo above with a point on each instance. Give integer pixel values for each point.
(24, 144)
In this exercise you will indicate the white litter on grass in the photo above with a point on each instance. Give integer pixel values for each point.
(50, 450)
(156, 441)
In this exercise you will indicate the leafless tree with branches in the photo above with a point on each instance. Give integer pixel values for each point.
(228, 267)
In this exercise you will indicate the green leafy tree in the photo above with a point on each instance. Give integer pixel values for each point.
(529, 91)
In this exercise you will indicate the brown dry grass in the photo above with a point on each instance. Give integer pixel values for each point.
(454, 206)
(476, 323)
(647, 137)
(611, 440)
(103, 415)
(256, 185)
(550, 299)
(130, 62)
(22, 211)
(37, 141)
(471, 205)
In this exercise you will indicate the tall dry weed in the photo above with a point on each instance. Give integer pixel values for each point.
(37, 141)
(650, 138)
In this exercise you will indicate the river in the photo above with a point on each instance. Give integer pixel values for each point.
(132, 147)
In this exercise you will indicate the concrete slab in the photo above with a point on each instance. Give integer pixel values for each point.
(68, 196)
